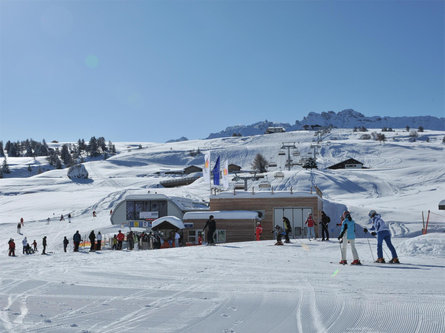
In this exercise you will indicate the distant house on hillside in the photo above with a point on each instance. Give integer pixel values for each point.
(234, 168)
(192, 169)
(348, 164)
(186, 171)
(271, 130)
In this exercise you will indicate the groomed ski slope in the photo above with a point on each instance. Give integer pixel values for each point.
(235, 287)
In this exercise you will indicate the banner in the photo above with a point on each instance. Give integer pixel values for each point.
(215, 172)
(225, 175)
(206, 170)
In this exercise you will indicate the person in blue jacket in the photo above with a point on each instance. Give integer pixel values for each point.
(347, 234)
(380, 228)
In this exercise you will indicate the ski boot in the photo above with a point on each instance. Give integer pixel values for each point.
(343, 262)
(380, 261)
(394, 261)
(356, 262)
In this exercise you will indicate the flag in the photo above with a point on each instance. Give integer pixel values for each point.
(206, 170)
(225, 175)
(215, 172)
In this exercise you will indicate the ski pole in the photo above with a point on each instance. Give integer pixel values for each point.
(370, 249)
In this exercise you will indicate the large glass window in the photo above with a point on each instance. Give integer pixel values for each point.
(134, 208)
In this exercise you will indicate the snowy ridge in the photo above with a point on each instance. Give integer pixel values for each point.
(344, 119)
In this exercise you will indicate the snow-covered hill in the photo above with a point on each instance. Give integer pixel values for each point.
(236, 287)
(343, 119)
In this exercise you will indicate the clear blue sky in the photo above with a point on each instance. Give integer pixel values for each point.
(159, 70)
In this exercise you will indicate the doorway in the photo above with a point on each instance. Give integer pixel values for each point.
(296, 216)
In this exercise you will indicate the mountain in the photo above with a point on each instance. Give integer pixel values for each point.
(344, 119)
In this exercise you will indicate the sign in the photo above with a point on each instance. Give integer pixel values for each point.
(140, 224)
(148, 215)
(188, 225)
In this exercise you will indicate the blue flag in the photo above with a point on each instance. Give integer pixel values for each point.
(215, 173)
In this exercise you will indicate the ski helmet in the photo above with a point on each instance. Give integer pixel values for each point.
(372, 213)
(346, 213)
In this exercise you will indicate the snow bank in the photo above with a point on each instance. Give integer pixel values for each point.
(431, 244)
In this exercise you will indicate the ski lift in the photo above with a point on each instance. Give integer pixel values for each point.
(279, 174)
(239, 186)
(264, 185)
(272, 164)
(296, 153)
(282, 152)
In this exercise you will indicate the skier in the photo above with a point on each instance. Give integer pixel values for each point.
(44, 244)
(310, 226)
(130, 239)
(211, 225)
(34, 244)
(383, 234)
(99, 241)
(19, 227)
(11, 247)
(324, 226)
(92, 238)
(22, 221)
(279, 232)
(25, 245)
(348, 228)
(62, 218)
(114, 243)
(76, 240)
(287, 229)
(69, 217)
(65, 243)
(120, 238)
(258, 231)
(94, 213)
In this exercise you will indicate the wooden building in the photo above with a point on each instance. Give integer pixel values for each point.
(231, 226)
(271, 207)
(348, 164)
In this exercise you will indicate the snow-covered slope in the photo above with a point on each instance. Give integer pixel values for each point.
(236, 287)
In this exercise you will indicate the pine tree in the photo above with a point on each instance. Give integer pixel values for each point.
(66, 156)
(101, 144)
(2, 152)
(260, 163)
(93, 147)
(310, 163)
(58, 163)
(5, 166)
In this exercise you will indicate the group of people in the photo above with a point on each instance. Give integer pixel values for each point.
(27, 249)
(378, 228)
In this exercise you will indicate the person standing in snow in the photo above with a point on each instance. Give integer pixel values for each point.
(348, 236)
(310, 226)
(287, 229)
(380, 228)
(19, 227)
(120, 238)
(92, 238)
(34, 244)
(211, 225)
(65, 243)
(99, 241)
(62, 218)
(324, 226)
(177, 237)
(25, 245)
(44, 245)
(130, 239)
(69, 217)
(76, 240)
(22, 221)
(279, 231)
(11, 248)
(258, 231)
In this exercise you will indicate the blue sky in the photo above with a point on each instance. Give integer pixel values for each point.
(159, 70)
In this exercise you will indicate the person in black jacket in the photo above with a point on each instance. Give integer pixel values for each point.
(76, 240)
(287, 229)
(65, 243)
(324, 226)
(92, 238)
(211, 225)
(44, 245)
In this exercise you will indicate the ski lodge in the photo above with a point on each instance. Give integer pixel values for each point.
(237, 213)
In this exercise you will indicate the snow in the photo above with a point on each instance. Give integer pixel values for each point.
(177, 222)
(233, 287)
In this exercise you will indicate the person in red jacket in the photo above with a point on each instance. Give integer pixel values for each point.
(310, 226)
(120, 238)
(258, 231)
(11, 248)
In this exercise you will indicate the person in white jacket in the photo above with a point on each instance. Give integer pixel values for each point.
(25, 245)
(380, 229)
(99, 240)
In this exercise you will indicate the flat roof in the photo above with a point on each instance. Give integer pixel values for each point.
(222, 214)
(263, 194)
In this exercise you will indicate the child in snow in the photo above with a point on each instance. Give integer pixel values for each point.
(258, 231)
(348, 236)
(383, 234)
(34, 244)
(279, 232)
